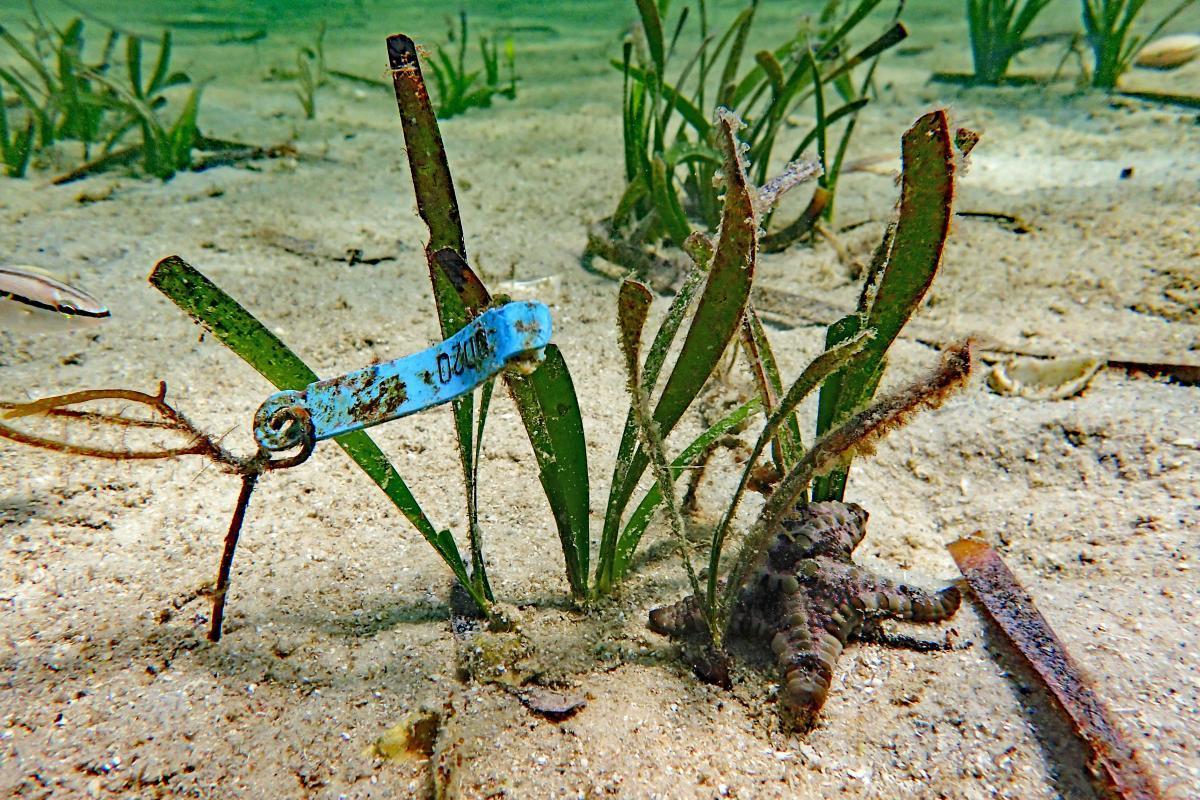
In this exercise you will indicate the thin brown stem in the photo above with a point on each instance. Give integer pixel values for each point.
(198, 448)
(249, 480)
(200, 444)
(97, 417)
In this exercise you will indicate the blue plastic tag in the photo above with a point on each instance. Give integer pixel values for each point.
(511, 334)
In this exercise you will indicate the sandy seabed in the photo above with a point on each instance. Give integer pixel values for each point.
(338, 625)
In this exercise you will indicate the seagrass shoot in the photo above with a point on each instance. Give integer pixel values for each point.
(793, 96)
(788, 558)
(311, 73)
(65, 98)
(460, 89)
(60, 109)
(487, 339)
(727, 475)
(507, 338)
(999, 31)
(1112, 33)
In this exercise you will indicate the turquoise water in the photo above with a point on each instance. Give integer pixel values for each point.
(563, 48)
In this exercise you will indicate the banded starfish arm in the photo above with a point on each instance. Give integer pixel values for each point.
(807, 653)
(807, 598)
(820, 608)
(883, 597)
(679, 620)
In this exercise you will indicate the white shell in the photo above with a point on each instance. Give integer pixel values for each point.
(1044, 378)
(1169, 52)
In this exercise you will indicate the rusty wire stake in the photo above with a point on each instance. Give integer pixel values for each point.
(250, 472)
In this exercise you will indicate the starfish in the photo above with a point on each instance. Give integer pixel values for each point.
(808, 599)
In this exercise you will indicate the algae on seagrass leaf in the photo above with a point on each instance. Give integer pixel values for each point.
(897, 281)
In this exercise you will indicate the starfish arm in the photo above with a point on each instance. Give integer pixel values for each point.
(807, 645)
(679, 620)
(884, 597)
(750, 619)
(830, 529)
(807, 598)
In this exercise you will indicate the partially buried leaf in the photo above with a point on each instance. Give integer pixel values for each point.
(1011, 608)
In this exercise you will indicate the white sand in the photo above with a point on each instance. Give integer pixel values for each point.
(337, 625)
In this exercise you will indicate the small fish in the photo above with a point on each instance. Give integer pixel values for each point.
(33, 300)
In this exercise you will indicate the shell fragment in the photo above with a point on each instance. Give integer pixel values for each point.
(1169, 52)
(1044, 378)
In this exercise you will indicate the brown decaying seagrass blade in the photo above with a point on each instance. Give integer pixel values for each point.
(1013, 610)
